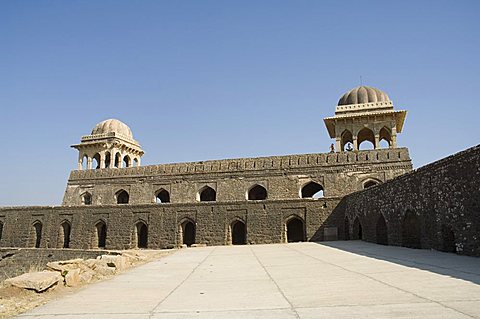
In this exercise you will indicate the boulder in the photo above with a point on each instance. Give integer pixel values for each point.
(38, 281)
(104, 270)
(119, 262)
(86, 277)
(72, 278)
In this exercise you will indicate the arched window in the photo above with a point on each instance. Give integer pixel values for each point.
(135, 162)
(108, 159)
(448, 239)
(385, 138)
(122, 197)
(162, 196)
(369, 183)
(364, 136)
(101, 234)
(96, 161)
(295, 230)
(207, 194)
(411, 234)
(118, 159)
(87, 198)
(127, 161)
(257, 192)
(346, 228)
(382, 231)
(142, 234)
(312, 190)
(239, 233)
(357, 229)
(347, 138)
(64, 236)
(37, 229)
(1, 230)
(188, 232)
(84, 162)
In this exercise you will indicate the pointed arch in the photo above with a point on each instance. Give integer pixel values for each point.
(311, 190)
(122, 197)
(239, 232)
(118, 160)
(295, 229)
(257, 192)
(207, 194)
(162, 196)
(37, 232)
(346, 137)
(187, 231)
(141, 234)
(136, 162)
(96, 161)
(86, 198)
(108, 159)
(64, 234)
(411, 231)
(385, 135)
(100, 234)
(369, 182)
(127, 162)
(366, 135)
(84, 162)
(381, 230)
(357, 229)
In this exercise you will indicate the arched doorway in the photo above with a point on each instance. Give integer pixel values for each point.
(101, 234)
(207, 194)
(257, 192)
(357, 229)
(188, 229)
(448, 239)
(37, 228)
(295, 230)
(65, 230)
(122, 197)
(346, 227)
(142, 235)
(382, 231)
(312, 190)
(239, 233)
(411, 235)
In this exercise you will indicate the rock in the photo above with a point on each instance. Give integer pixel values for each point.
(104, 270)
(72, 278)
(199, 245)
(86, 277)
(119, 262)
(38, 281)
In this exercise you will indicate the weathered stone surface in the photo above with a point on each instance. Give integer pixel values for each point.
(119, 262)
(72, 278)
(38, 281)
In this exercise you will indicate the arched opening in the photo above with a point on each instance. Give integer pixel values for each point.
(369, 183)
(239, 233)
(1, 230)
(312, 190)
(142, 235)
(122, 197)
(84, 162)
(347, 140)
(366, 139)
(295, 230)
(118, 159)
(96, 161)
(135, 162)
(127, 161)
(188, 229)
(108, 159)
(385, 138)
(101, 234)
(346, 228)
(382, 231)
(87, 198)
(37, 228)
(207, 194)
(411, 234)
(162, 196)
(65, 230)
(357, 229)
(448, 239)
(257, 192)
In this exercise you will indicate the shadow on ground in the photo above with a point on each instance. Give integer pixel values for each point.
(448, 264)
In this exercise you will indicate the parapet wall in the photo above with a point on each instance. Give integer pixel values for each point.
(441, 200)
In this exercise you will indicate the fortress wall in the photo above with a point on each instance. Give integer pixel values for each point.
(443, 194)
(264, 220)
(282, 176)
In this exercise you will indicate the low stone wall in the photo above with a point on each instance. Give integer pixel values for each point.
(434, 207)
(16, 261)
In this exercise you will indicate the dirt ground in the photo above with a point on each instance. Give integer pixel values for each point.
(14, 301)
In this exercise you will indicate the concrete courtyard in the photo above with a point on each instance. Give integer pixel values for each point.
(350, 279)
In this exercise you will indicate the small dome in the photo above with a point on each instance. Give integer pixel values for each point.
(363, 94)
(112, 126)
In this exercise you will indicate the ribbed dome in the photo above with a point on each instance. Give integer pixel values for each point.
(112, 125)
(363, 94)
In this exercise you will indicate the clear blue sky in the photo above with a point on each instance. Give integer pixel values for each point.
(199, 80)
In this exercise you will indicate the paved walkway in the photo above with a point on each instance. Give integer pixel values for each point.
(305, 280)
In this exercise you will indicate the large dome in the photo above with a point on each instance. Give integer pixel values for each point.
(112, 126)
(363, 94)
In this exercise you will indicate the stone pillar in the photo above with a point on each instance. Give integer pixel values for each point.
(80, 162)
(377, 142)
(112, 158)
(355, 143)
(102, 159)
(89, 162)
(138, 161)
(338, 143)
(120, 162)
(393, 143)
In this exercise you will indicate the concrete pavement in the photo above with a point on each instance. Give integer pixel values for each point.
(306, 280)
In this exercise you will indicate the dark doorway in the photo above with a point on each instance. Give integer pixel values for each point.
(1, 230)
(369, 184)
(208, 194)
(101, 234)
(122, 197)
(411, 235)
(38, 234)
(357, 229)
(142, 235)
(257, 192)
(312, 190)
(295, 230)
(347, 228)
(239, 233)
(448, 239)
(188, 233)
(66, 230)
(382, 231)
